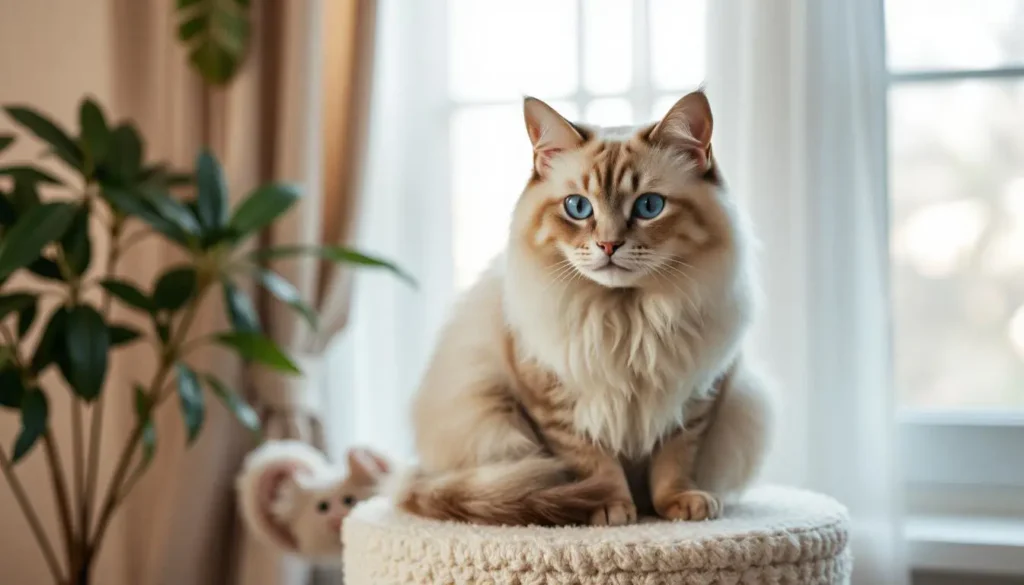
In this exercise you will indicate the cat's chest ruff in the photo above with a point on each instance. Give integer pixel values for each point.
(629, 422)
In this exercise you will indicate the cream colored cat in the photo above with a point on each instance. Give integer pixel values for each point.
(596, 367)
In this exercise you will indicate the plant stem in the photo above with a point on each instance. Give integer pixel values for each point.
(96, 422)
(115, 491)
(31, 516)
(60, 494)
(78, 457)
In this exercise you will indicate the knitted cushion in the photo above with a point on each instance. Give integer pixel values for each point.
(774, 536)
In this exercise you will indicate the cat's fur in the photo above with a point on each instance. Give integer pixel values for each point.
(296, 500)
(597, 365)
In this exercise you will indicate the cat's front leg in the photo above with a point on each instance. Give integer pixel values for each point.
(674, 492)
(590, 460)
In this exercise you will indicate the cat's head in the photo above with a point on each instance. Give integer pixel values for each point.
(623, 207)
(313, 503)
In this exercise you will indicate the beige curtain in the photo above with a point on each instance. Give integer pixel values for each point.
(295, 113)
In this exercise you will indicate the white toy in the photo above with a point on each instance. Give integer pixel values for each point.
(295, 500)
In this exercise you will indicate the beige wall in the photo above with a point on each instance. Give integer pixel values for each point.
(51, 53)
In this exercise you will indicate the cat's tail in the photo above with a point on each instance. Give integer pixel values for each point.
(538, 491)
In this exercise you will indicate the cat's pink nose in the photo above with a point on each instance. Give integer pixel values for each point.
(610, 247)
(335, 524)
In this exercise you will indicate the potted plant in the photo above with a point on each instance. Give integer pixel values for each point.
(46, 252)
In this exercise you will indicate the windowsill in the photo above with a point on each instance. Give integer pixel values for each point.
(970, 544)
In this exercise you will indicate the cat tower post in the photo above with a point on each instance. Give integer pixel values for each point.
(777, 536)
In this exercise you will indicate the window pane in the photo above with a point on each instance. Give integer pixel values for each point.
(662, 104)
(608, 45)
(609, 112)
(677, 43)
(502, 49)
(957, 188)
(491, 158)
(954, 34)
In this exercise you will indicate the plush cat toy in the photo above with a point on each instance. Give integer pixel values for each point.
(292, 498)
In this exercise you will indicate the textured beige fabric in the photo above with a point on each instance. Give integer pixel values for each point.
(775, 536)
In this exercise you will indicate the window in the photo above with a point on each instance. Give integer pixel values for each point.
(957, 191)
(956, 174)
(607, 62)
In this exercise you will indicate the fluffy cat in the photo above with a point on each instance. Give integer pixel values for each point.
(296, 501)
(596, 367)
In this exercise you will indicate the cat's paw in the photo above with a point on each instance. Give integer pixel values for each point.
(691, 505)
(614, 514)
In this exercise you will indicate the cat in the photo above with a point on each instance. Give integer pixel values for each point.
(596, 367)
(295, 500)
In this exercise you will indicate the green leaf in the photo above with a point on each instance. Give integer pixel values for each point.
(175, 288)
(87, 343)
(261, 208)
(8, 215)
(171, 209)
(193, 408)
(179, 179)
(76, 243)
(128, 294)
(25, 195)
(12, 391)
(288, 294)
(27, 316)
(15, 302)
(125, 154)
(122, 335)
(339, 254)
(240, 309)
(143, 412)
(49, 132)
(213, 194)
(36, 228)
(158, 175)
(190, 27)
(51, 344)
(29, 174)
(239, 407)
(217, 33)
(95, 133)
(257, 348)
(132, 203)
(46, 268)
(35, 413)
(6, 140)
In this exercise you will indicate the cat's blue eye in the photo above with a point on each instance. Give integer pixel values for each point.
(578, 207)
(323, 506)
(648, 206)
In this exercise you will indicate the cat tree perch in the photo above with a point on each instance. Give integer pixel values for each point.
(777, 536)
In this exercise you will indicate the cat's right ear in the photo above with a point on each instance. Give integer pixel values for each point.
(549, 133)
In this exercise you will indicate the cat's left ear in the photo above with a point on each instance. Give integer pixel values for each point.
(688, 125)
(549, 132)
(366, 466)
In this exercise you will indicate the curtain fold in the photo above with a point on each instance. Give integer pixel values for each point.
(295, 113)
(799, 94)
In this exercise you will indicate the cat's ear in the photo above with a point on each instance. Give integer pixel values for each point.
(366, 466)
(549, 133)
(688, 125)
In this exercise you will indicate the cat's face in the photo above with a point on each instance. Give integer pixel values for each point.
(623, 208)
(321, 511)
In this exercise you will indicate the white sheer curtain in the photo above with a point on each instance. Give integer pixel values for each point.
(799, 95)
